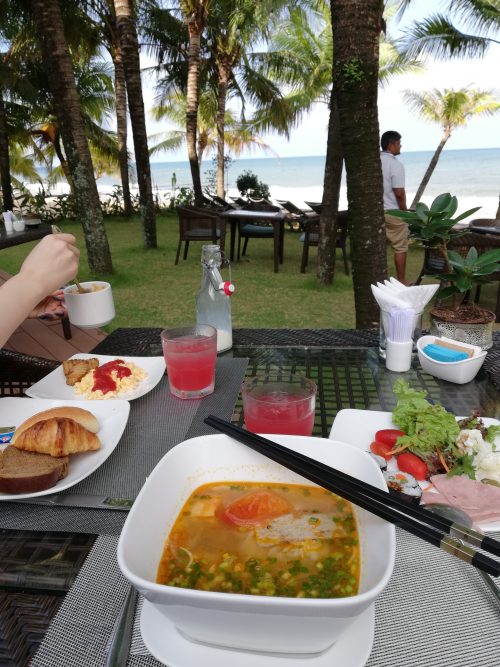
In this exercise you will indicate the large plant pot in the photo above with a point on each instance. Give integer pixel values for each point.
(470, 324)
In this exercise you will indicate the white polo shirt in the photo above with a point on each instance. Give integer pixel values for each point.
(393, 173)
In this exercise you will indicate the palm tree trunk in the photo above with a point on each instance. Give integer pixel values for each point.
(58, 62)
(223, 75)
(63, 162)
(121, 126)
(356, 26)
(131, 66)
(8, 201)
(431, 167)
(195, 28)
(330, 203)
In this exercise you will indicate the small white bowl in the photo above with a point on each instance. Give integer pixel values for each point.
(458, 372)
(249, 622)
(92, 309)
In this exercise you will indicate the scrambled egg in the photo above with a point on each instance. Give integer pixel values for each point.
(123, 385)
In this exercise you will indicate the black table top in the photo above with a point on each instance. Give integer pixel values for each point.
(29, 234)
(347, 370)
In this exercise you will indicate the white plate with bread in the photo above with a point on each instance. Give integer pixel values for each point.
(56, 443)
(65, 381)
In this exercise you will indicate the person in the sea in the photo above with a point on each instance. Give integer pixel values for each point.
(35, 290)
(393, 173)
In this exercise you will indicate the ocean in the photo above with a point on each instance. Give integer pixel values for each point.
(472, 175)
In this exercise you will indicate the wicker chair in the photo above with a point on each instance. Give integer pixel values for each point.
(260, 229)
(310, 237)
(296, 215)
(199, 224)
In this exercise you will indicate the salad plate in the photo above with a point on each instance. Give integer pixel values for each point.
(171, 648)
(358, 428)
(112, 418)
(54, 384)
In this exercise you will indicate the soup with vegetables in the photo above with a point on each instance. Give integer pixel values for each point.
(284, 540)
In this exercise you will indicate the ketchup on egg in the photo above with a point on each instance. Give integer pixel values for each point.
(102, 375)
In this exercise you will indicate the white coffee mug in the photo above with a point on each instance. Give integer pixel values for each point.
(92, 309)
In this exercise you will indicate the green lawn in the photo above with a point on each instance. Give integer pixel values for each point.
(149, 290)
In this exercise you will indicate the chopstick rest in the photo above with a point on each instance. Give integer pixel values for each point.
(432, 528)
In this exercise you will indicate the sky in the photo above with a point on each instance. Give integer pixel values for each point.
(418, 135)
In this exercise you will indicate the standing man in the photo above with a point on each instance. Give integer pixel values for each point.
(393, 174)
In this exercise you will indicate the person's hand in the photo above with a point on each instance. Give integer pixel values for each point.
(52, 263)
(50, 308)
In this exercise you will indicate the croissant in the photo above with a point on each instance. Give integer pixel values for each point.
(57, 437)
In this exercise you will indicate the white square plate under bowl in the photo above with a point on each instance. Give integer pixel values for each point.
(54, 384)
(168, 646)
(112, 418)
(358, 428)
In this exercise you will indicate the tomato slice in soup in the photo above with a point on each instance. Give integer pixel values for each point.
(255, 507)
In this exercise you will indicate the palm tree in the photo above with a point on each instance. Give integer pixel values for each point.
(195, 14)
(104, 18)
(438, 35)
(356, 26)
(450, 109)
(300, 57)
(238, 136)
(57, 59)
(125, 22)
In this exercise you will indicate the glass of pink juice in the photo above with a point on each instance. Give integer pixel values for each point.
(190, 354)
(273, 405)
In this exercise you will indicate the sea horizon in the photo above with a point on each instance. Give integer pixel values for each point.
(472, 174)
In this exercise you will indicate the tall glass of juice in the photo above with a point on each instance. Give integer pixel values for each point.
(190, 354)
(279, 404)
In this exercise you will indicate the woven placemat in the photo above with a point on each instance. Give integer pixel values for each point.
(158, 421)
(435, 611)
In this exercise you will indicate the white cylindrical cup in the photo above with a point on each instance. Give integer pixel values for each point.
(18, 224)
(92, 309)
(7, 220)
(398, 356)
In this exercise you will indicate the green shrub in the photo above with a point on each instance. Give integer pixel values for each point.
(249, 186)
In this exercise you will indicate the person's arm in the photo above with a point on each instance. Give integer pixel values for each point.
(400, 194)
(51, 264)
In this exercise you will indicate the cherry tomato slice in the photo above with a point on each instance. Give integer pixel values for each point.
(381, 449)
(255, 507)
(412, 464)
(388, 436)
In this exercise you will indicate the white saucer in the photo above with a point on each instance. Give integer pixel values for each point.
(168, 646)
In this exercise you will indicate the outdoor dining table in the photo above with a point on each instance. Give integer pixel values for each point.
(277, 218)
(61, 590)
(29, 234)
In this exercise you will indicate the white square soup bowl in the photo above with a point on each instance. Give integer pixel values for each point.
(257, 623)
(91, 309)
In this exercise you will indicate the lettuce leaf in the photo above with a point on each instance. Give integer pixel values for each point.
(428, 427)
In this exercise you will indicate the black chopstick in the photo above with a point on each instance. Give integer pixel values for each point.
(376, 501)
(456, 530)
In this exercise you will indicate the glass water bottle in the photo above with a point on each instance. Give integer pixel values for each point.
(213, 305)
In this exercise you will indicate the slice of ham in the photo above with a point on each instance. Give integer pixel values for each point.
(480, 501)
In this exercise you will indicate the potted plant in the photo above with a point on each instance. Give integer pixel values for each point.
(434, 228)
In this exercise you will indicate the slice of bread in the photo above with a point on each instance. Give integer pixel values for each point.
(82, 417)
(75, 369)
(27, 472)
(57, 437)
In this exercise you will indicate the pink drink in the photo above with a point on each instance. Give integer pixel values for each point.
(190, 361)
(279, 407)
